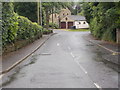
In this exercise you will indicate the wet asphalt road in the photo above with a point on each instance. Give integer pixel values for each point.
(66, 60)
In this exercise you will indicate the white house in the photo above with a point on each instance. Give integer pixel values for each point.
(74, 20)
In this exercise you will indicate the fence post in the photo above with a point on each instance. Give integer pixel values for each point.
(118, 36)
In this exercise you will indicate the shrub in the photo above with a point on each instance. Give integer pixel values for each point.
(104, 19)
(27, 29)
(46, 31)
(15, 27)
(53, 25)
(9, 24)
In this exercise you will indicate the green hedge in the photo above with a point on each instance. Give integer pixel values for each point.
(15, 27)
(46, 31)
(53, 25)
(27, 29)
(9, 24)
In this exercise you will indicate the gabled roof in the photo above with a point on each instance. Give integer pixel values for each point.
(76, 17)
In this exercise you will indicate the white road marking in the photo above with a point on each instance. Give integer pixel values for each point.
(97, 85)
(58, 44)
(87, 73)
(81, 67)
(84, 71)
(69, 48)
(72, 55)
(78, 63)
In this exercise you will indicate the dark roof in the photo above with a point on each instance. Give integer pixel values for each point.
(76, 17)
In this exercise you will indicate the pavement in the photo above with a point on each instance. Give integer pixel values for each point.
(66, 60)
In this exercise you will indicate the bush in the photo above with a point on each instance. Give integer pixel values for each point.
(15, 27)
(46, 31)
(109, 35)
(9, 24)
(104, 19)
(53, 25)
(27, 29)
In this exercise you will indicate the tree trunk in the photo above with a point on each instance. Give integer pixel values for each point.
(38, 13)
(47, 18)
(52, 18)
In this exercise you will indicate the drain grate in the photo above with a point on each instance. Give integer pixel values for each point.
(89, 45)
(44, 54)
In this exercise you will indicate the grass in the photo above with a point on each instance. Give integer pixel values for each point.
(78, 30)
(75, 30)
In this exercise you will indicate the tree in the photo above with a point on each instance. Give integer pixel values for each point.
(103, 19)
(27, 9)
(52, 7)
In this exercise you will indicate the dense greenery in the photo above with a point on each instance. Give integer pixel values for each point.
(54, 7)
(28, 29)
(53, 25)
(47, 31)
(104, 19)
(15, 27)
(9, 24)
(24, 9)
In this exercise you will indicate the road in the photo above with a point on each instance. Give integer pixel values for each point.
(66, 60)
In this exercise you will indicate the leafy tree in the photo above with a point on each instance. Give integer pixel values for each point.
(103, 18)
(50, 8)
(27, 9)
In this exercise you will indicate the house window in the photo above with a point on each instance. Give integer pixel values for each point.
(84, 23)
(79, 22)
(66, 19)
(63, 14)
(67, 13)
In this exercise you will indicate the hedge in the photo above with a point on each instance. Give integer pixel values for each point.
(27, 29)
(47, 31)
(53, 25)
(16, 28)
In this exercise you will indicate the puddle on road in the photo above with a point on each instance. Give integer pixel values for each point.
(98, 57)
(89, 45)
(32, 61)
(13, 76)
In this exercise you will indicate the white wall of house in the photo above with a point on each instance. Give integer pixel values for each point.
(81, 24)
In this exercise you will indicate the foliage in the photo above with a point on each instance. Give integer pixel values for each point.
(9, 24)
(47, 31)
(15, 27)
(50, 8)
(27, 29)
(24, 9)
(104, 19)
(53, 25)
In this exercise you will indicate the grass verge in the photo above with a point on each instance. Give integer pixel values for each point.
(78, 30)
